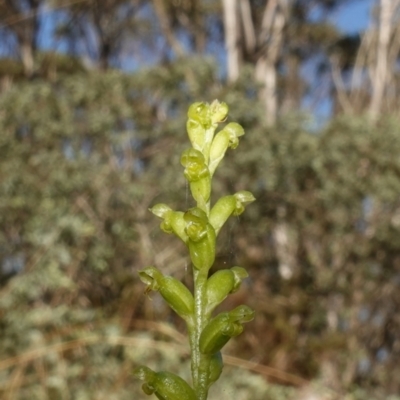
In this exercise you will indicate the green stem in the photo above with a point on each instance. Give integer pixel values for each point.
(200, 362)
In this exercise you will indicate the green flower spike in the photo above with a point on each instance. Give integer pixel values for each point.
(165, 385)
(221, 284)
(223, 327)
(174, 292)
(198, 228)
(196, 172)
(201, 241)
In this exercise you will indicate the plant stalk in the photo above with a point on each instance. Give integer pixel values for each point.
(200, 362)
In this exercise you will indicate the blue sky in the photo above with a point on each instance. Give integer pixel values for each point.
(353, 17)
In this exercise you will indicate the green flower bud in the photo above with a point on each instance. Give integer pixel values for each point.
(223, 327)
(196, 172)
(227, 206)
(173, 221)
(241, 314)
(199, 121)
(178, 296)
(161, 210)
(202, 253)
(195, 165)
(219, 111)
(165, 385)
(201, 236)
(201, 191)
(151, 277)
(221, 211)
(242, 198)
(227, 137)
(222, 283)
(174, 292)
(216, 365)
(200, 112)
(196, 224)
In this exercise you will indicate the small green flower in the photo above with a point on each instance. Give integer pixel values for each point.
(223, 327)
(218, 111)
(165, 385)
(242, 198)
(196, 172)
(174, 292)
(227, 206)
(173, 221)
(196, 224)
(198, 122)
(201, 242)
(195, 165)
(221, 284)
(227, 137)
(200, 112)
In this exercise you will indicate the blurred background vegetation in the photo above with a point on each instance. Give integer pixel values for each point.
(93, 100)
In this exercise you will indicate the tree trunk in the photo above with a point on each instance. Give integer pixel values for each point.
(232, 35)
(293, 89)
(379, 74)
(26, 54)
(270, 40)
(266, 74)
(26, 27)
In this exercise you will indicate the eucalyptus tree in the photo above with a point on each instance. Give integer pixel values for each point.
(20, 25)
(278, 38)
(363, 65)
(103, 33)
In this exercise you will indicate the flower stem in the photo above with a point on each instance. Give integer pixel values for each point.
(200, 362)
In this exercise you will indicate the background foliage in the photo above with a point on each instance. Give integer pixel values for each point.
(87, 146)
